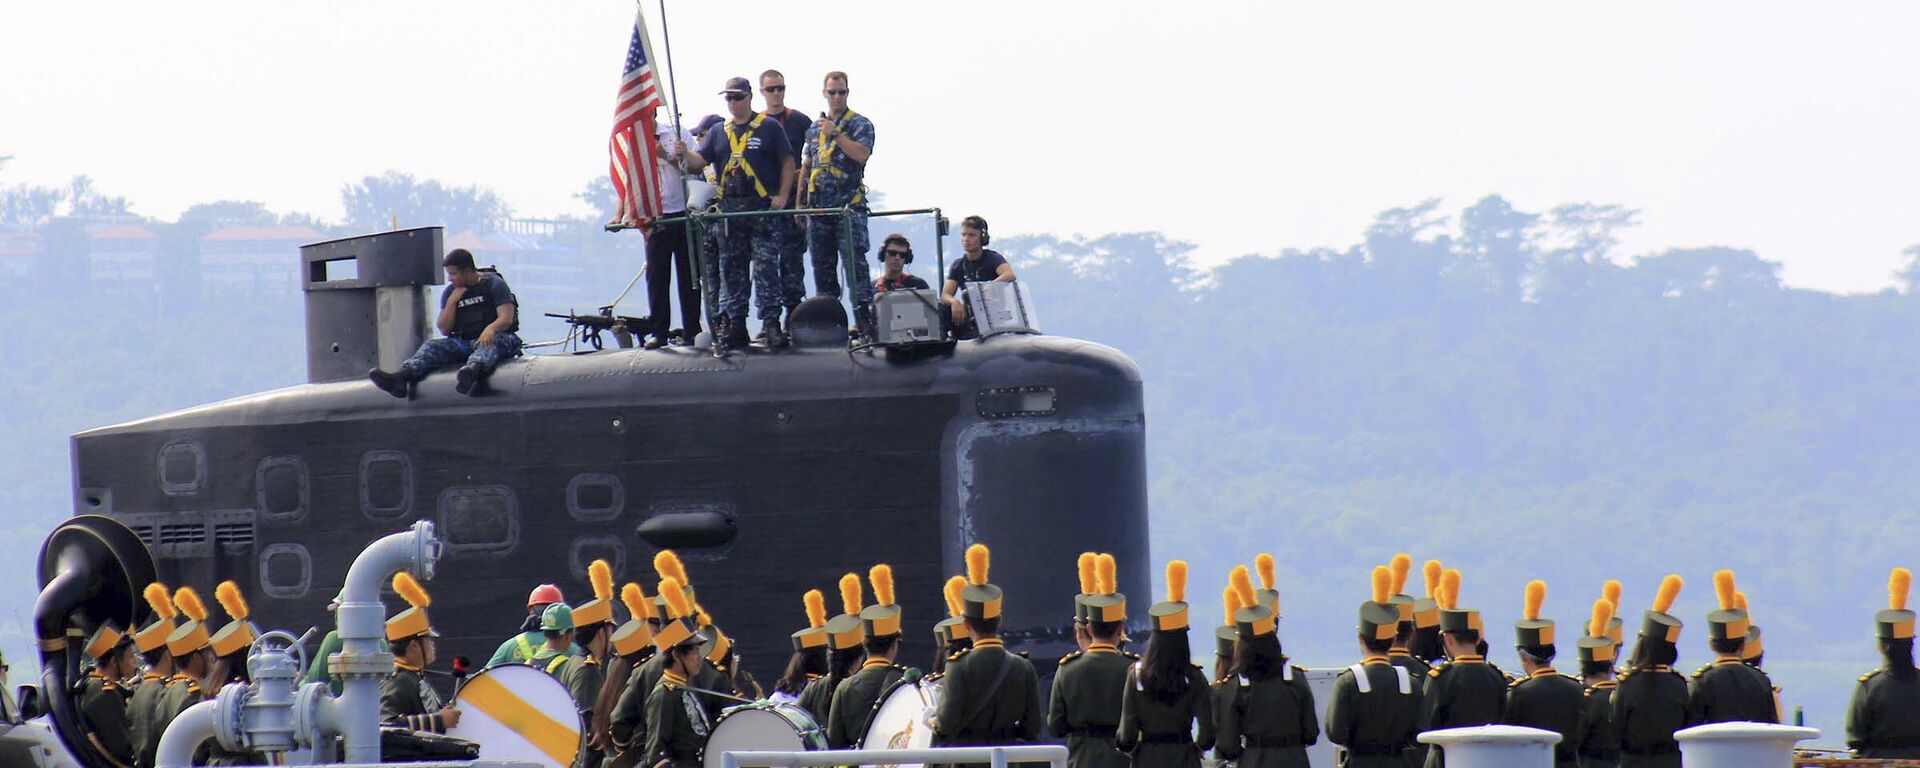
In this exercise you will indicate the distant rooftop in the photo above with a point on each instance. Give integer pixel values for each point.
(256, 234)
(123, 232)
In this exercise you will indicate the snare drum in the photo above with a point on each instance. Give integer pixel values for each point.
(763, 726)
(517, 713)
(903, 717)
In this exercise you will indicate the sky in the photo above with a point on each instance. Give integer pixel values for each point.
(1240, 127)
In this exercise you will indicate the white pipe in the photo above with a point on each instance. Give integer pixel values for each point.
(362, 623)
(1740, 745)
(1494, 746)
(194, 725)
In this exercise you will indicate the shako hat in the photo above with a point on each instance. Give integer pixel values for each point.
(1752, 649)
(1454, 618)
(954, 626)
(1227, 635)
(1532, 630)
(1657, 624)
(599, 610)
(1105, 604)
(637, 634)
(718, 646)
(1085, 566)
(1426, 610)
(192, 635)
(1616, 628)
(679, 628)
(1379, 620)
(666, 564)
(238, 634)
(1728, 623)
(1896, 622)
(1267, 595)
(154, 636)
(1255, 618)
(1595, 647)
(411, 622)
(846, 630)
(1401, 601)
(815, 635)
(105, 640)
(882, 619)
(980, 600)
(1171, 615)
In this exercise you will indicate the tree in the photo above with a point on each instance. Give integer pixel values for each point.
(85, 201)
(1498, 240)
(378, 202)
(1908, 275)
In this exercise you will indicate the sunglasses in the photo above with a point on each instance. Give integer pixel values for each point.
(736, 97)
(836, 91)
(901, 254)
(774, 89)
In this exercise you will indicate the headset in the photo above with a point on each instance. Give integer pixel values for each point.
(986, 238)
(896, 237)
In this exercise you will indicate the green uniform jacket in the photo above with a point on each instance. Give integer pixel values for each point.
(712, 678)
(1551, 702)
(1648, 706)
(105, 711)
(1884, 718)
(583, 676)
(1461, 693)
(817, 697)
(676, 725)
(181, 692)
(521, 647)
(1084, 706)
(628, 724)
(1599, 741)
(1374, 727)
(1730, 691)
(319, 671)
(407, 701)
(1418, 668)
(141, 710)
(853, 702)
(973, 713)
(1268, 723)
(1160, 734)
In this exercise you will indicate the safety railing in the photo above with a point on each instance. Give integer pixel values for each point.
(1053, 755)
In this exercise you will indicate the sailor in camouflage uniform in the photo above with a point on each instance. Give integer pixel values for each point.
(846, 638)
(1374, 709)
(837, 148)
(406, 699)
(1884, 718)
(677, 724)
(584, 674)
(992, 696)
(853, 699)
(1650, 702)
(756, 171)
(1729, 690)
(103, 703)
(1085, 702)
(1544, 698)
(1466, 690)
(1599, 745)
(1268, 718)
(144, 706)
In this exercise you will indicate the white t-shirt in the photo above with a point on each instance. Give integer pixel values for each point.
(671, 199)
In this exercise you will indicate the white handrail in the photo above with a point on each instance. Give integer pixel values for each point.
(998, 757)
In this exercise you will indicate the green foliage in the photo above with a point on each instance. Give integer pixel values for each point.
(376, 203)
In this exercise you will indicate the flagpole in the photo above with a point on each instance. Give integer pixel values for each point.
(689, 223)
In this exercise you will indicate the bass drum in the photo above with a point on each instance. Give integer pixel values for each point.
(903, 717)
(763, 726)
(519, 714)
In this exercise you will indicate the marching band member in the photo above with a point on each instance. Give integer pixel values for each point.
(1165, 694)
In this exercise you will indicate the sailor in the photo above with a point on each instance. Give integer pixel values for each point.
(406, 700)
(1425, 644)
(144, 706)
(192, 661)
(1465, 690)
(628, 724)
(846, 638)
(1599, 744)
(1544, 698)
(896, 252)
(479, 322)
(1729, 690)
(1883, 720)
(790, 236)
(978, 264)
(853, 699)
(1084, 705)
(1650, 703)
(583, 674)
(755, 173)
(991, 695)
(522, 647)
(677, 724)
(103, 703)
(667, 250)
(1270, 718)
(1374, 705)
(809, 660)
(1166, 695)
(632, 645)
(950, 634)
(838, 147)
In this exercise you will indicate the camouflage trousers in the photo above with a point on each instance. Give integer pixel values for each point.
(791, 240)
(749, 250)
(453, 350)
(823, 240)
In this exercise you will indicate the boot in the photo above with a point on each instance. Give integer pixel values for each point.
(736, 336)
(469, 380)
(775, 336)
(398, 384)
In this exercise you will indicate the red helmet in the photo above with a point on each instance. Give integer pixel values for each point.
(545, 594)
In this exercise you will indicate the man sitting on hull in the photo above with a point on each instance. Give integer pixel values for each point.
(480, 319)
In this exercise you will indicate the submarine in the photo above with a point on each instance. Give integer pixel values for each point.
(769, 471)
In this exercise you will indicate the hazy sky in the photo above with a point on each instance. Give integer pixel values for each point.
(1787, 128)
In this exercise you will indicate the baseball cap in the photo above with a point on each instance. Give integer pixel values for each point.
(707, 122)
(738, 85)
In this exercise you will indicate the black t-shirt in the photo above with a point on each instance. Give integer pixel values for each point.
(981, 270)
(907, 280)
(480, 306)
(766, 150)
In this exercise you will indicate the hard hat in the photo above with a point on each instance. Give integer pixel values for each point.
(545, 594)
(557, 618)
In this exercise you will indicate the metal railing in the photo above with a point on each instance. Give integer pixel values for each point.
(1053, 755)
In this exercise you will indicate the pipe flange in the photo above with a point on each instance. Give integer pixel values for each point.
(426, 549)
(307, 703)
(344, 664)
(229, 708)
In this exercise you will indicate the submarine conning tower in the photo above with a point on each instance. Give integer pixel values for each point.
(366, 303)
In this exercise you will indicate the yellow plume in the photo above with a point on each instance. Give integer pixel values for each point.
(1263, 565)
(188, 601)
(1449, 594)
(1669, 591)
(1431, 572)
(1610, 591)
(850, 594)
(1723, 588)
(1602, 616)
(1740, 603)
(600, 574)
(1176, 581)
(156, 594)
(231, 601)
(978, 558)
(1382, 584)
(954, 605)
(1536, 595)
(881, 576)
(410, 591)
(1242, 584)
(1897, 584)
(638, 606)
(705, 619)
(1400, 565)
(816, 602)
(678, 606)
(1230, 598)
(1106, 578)
(1087, 581)
(668, 565)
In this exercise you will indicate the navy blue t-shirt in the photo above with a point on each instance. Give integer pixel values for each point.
(480, 306)
(980, 271)
(766, 151)
(796, 125)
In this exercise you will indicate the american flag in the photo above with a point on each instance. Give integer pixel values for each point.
(633, 147)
